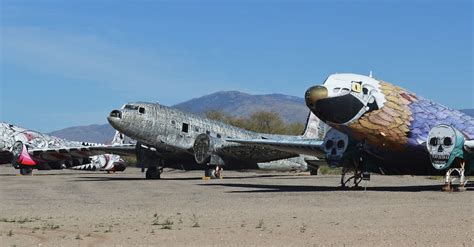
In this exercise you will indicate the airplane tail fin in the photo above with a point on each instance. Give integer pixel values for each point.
(315, 128)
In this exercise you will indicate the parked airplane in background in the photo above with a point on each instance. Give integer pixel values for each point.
(394, 131)
(28, 149)
(169, 137)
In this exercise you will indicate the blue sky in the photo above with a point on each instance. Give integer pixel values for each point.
(65, 64)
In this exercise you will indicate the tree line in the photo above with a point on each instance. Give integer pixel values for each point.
(269, 122)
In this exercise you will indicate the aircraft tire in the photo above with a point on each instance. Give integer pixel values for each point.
(152, 173)
(27, 171)
(211, 173)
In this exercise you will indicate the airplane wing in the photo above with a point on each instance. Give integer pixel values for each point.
(26, 156)
(311, 147)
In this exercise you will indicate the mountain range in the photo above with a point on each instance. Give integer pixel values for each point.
(235, 103)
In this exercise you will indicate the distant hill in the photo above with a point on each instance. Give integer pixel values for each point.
(291, 109)
(235, 103)
(96, 133)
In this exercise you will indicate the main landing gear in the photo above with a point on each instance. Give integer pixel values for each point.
(153, 172)
(213, 172)
(355, 174)
(26, 171)
(448, 181)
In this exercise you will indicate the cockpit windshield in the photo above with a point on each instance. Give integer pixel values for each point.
(131, 107)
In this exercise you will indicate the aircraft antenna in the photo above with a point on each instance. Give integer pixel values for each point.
(370, 74)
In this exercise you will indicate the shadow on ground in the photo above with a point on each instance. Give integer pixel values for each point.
(142, 177)
(260, 188)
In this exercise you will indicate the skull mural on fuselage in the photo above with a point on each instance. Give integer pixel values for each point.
(335, 144)
(444, 145)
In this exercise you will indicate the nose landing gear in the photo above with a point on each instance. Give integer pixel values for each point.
(356, 176)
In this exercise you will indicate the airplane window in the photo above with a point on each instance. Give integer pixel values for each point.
(196, 128)
(185, 128)
(173, 122)
(218, 135)
(141, 110)
(208, 132)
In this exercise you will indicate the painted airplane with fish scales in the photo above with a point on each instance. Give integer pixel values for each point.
(396, 131)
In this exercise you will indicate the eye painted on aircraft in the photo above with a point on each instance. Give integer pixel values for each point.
(447, 141)
(329, 144)
(356, 86)
(340, 144)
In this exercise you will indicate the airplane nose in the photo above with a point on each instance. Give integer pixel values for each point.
(115, 114)
(315, 93)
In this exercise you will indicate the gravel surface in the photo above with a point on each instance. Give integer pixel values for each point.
(72, 208)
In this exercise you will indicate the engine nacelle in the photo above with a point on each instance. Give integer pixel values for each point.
(445, 144)
(206, 148)
(335, 144)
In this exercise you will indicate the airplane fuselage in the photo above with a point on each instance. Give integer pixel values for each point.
(393, 122)
(172, 132)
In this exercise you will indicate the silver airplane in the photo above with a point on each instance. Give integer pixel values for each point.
(168, 137)
(28, 149)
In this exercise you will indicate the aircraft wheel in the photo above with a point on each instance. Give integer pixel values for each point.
(313, 172)
(152, 173)
(26, 171)
(213, 172)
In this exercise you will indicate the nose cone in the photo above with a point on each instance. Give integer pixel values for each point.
(315, 93)
(114, 118)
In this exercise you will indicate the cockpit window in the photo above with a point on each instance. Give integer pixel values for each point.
(131, 107)
(141, 110)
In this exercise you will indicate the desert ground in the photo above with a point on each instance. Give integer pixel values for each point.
(72, 208)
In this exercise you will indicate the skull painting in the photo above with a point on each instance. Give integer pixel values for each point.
(441, 143)
(335, 144)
